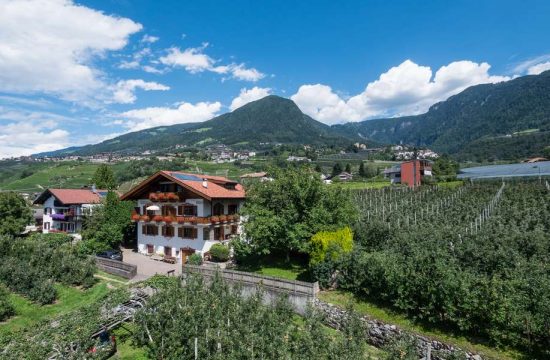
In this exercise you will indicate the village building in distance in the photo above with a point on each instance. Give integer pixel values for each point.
(179, 214)
(63, 209)
(410, 173)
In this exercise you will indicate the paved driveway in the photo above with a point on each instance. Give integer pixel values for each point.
(146, 267)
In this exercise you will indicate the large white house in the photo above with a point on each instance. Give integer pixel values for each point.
(179, 214)
(64, 208)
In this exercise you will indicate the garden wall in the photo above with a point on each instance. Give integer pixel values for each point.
(116, 267)
(299, 293)
(381, 334)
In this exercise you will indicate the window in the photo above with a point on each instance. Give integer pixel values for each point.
(47, 211)
(206, 233)
(167, 251)
(150, 248)
(187, 232)
(218, 209)
(187, 210)
(149, 230)
(168, 210)
(171, 187)
(46, 226)
(234, 229)
(168, 231)
(232, 209)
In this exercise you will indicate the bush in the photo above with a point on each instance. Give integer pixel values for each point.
(219, 253)
(42, 291)
(6, 308)
(194, 259)
(241, 249)
(330, 245)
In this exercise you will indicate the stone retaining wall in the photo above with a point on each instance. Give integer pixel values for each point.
(381, 334)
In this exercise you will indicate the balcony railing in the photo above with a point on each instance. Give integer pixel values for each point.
(186, 219)
(165, 196)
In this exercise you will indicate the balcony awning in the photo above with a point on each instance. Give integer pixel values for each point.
(153, 208)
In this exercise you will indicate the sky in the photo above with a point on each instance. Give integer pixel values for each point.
(74, 73)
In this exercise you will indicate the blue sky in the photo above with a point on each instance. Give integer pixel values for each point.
(73, 73)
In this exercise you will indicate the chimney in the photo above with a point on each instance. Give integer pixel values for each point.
(205, 183)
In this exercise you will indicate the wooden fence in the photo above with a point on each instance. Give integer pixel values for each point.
(267, 282)
(116, 267)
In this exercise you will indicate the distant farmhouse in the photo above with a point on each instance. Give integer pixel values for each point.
(63, 209)
(410, 172)
(179, 214)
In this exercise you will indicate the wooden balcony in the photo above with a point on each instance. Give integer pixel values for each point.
(186, 219)
(165, 197)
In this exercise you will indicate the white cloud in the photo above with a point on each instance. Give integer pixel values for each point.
(152, 69)
(184, 112)
(24, 132)
(405, 89)
(49, 46)
(194, 60)
(248, 95)
(240, 72)
(124, 92)
(538, 68)
(149, 39)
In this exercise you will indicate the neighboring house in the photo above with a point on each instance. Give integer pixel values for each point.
(251, 177)
(410, 172)
(345, 176)
(179, 213)
(64, 208)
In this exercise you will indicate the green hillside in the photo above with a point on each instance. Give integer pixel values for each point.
(507, 120)
(270, 120)
(44, 175)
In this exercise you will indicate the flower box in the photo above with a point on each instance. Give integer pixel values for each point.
(158, 218)
(223, 218)
(172, 197)
(169, 219)
(145, 218)
(214, 219)
(153, 197)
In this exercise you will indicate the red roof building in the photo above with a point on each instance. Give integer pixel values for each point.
(410, 172)
(180, 213)
(65, 208)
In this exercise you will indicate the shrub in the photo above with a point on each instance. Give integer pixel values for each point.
(330, 245)
(194, 259)
(219, 252)
(241, 249)
(42, 291)
(6, 308)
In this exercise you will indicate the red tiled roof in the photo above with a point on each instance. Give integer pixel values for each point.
(72, 196)
(215, 185)
(214, 189)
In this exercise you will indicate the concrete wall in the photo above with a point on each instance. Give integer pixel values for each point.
(115, 267)
(298, 293)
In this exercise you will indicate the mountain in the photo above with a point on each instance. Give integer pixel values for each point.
(508, 120)
(272, 119)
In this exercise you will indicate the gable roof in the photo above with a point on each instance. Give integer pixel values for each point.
(72, 196)
(216, 185)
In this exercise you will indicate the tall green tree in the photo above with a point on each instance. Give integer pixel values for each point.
(15, 213)
(285, 213)
(104, 178)
(348, 168)
(336, 169)
(362, 171)
(108, 225)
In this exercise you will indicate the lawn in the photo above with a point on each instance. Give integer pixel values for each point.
(293, 269)
(387, 315)
(69, 299)
(357, 185)
(125, 349)
(451, 184)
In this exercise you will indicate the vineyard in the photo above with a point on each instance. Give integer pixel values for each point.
(475, 258)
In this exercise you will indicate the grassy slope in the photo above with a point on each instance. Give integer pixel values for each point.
(67, 175)
(387, 315)
(69, 299)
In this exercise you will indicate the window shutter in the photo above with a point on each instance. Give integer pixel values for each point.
(155, 230)
(194, 233)
(143, 229)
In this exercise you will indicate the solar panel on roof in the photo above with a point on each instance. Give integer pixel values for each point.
(186, 177)
(102, 193)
